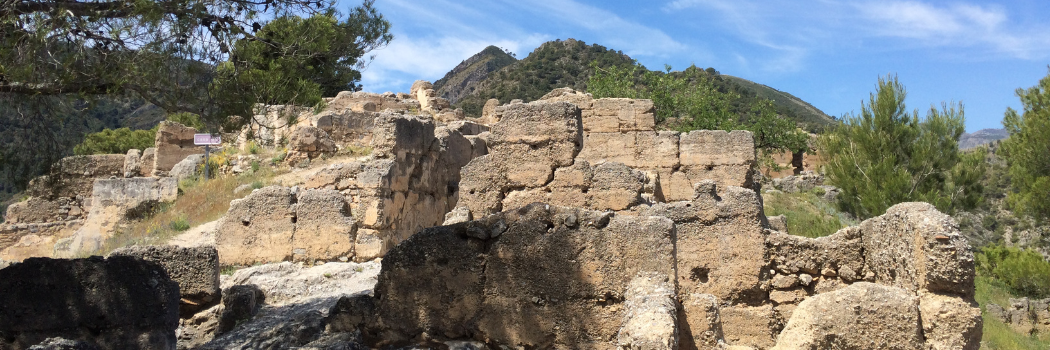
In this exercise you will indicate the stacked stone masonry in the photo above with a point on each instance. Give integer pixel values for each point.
(354, 210)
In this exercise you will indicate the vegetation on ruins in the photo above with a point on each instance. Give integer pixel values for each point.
(1026, 151)
(807, 213)
(690, 100)
(65, 63)
(886, 155)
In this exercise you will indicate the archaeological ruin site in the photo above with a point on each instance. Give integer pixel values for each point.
(564, 223)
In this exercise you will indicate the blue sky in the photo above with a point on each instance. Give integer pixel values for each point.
(827, 52)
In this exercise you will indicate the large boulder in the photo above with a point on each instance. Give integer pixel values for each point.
(116, 303)
(861, 316)
(308, 142)
(195, 269)
(187, 168)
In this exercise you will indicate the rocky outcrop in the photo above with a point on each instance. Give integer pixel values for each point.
(1023, 314)
(187, 168)
(115, 303)
(196, 270)
(540, 277)
(174, 142)
(803, 182)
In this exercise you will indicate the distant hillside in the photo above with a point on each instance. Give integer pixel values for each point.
(566, 63)
(981, 137)
(802, 112)
(464, 79)
(553, 65)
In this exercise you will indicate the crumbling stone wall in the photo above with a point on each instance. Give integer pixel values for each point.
(542, 152)
(173, 143)
(408, 183)
(540, 277)
(624, 130)
(1023, 314)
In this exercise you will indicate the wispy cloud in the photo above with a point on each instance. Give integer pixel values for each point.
(984, 30)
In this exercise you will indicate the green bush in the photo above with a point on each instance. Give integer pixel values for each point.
(179, 224)
(1024, 272)
(187, 119)
(115, 141)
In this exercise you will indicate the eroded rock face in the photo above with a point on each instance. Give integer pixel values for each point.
(113, 201)
(861, 316)
(308, 142)
(174, 142)
(552, 277)
(196, 270)
(277, 224)
(115, 303)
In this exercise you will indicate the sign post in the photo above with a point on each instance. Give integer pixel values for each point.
(206, 140)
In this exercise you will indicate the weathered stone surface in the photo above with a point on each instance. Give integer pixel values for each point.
(915, 247)
(650, 321)
(488, 112)
(308, 142)
(196, 270)
(347, 127)
(240, 303)
(133, 163)
(274, 224)
(949, 322)
(59, 343)
(115, 303)
(187, 168)
(803, 182)
(749, 325)
(174, 142)
(793, 255)
(74, 176)
(861, 316)
(558, 274)
(149, 158)
(702, 327)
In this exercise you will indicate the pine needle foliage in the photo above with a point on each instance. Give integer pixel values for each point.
(887, 155)
(1027, 151)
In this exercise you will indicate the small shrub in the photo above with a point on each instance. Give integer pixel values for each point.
(255, 166)
(257, 185)
(819, 191)
(179, 224)
(253, 148)
(327, 275)
(1024, 272)
(279, 157)
(228, 270)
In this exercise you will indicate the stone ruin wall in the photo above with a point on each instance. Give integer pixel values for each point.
(545, 151)
(699, 274)
(62, 201)
(356, 210)
(738, 281)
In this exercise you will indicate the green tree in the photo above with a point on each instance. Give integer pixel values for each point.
(690, 100)
(1027, 151)
(211, 58)
(115, 141)
(886, 155)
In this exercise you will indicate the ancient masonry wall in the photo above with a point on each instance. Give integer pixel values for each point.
(408, 183)
(69, 195)
(542, 152)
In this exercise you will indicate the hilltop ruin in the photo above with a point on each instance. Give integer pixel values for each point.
(567, 222)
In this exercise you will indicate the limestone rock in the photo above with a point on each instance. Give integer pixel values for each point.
(861, 316)
(59, 343)
(272, 224)
(133, 163)
(950, 322)
(187, 168)
(552, 271)
(146, 163)
(308, 142)
(115, 303)
(196, 270)
(650, 321)
(915, 247)
(174, 142)
(240, 303)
